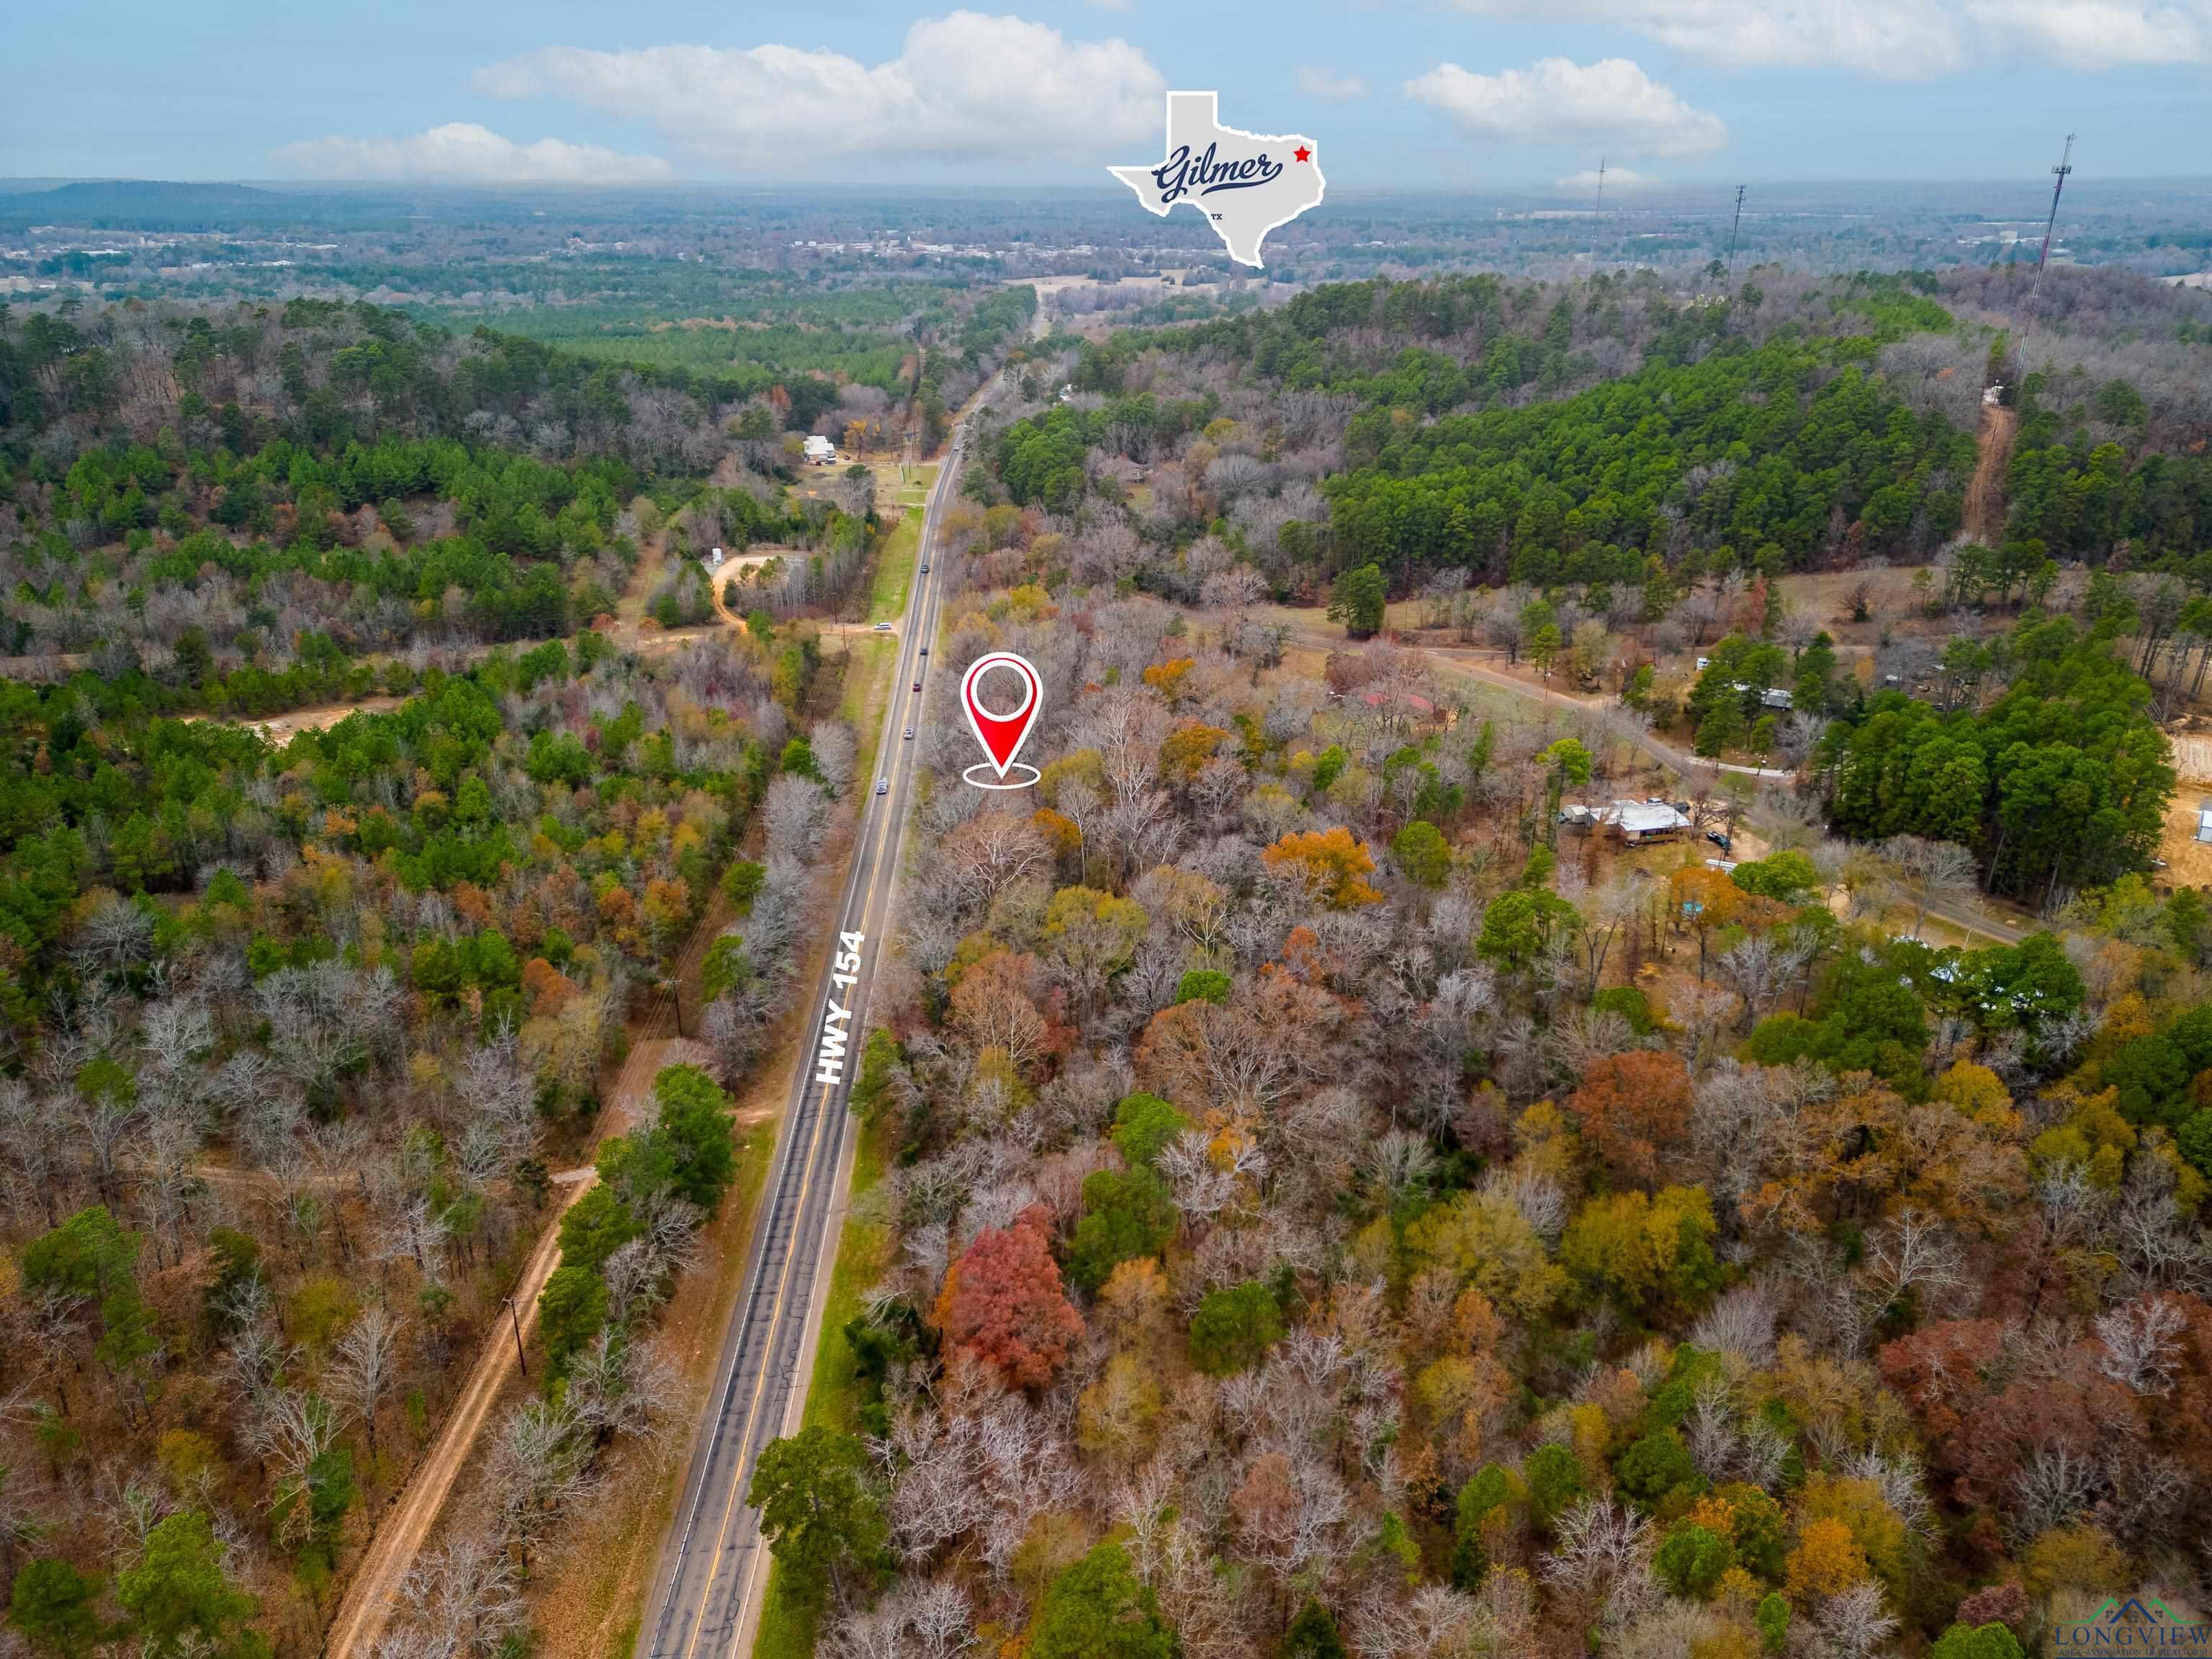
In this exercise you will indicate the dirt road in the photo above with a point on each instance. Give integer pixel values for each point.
(377, 1584)
(1985, 502)
(407, 1526)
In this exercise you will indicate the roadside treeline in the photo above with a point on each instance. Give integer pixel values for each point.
(294, 1038)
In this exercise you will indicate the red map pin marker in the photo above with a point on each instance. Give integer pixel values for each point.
(1001, 735)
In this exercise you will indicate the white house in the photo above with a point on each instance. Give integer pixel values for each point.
(1645, 820)
(820, 452)
(2204, 820)
(1637, 821)
(713, 560)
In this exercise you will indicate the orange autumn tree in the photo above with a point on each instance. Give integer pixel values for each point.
(1186, 749)
(1333, 865)
(1704, 902)
(995, 1005)
(1003, 1303)
(1062, 833)
(1634, 1107)
(1827, 1560)
(1167, 677)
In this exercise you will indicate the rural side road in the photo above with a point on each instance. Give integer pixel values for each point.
(375, 1589)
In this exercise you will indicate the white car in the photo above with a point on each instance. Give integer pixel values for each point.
(910, 734)
(883, 628)
(883, 786)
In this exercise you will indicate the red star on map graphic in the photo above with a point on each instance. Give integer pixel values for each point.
(1302, 154)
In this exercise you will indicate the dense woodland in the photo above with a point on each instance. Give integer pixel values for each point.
(251, 509)
(1331, 1218)
(296, 1035)
(1605, 431)
(1333, 1209)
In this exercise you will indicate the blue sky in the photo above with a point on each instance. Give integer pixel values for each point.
(1415, 94)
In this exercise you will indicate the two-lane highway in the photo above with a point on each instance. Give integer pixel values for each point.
(706, 1593)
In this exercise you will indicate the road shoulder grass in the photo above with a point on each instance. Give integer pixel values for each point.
(895, 564)
(833, 1394)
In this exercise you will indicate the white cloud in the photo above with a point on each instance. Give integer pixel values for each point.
(2099, 34)
(461, 151)
(1896, 39)
(1329, 87)
(1616, 178)
(966, 87)
(1559, 101)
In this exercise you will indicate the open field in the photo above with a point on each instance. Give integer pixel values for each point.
(2188, 860)
(895, 570)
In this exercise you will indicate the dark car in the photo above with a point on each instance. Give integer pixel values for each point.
(917, 685)
(924, 650)
(1717, 839)
(925, 567)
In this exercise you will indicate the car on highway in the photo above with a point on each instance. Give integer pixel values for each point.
(883, 786)
(909, 733)
(917, 685)
(925, 567)
(924, 650)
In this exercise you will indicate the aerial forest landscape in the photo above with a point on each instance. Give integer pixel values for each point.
(1586, 1028)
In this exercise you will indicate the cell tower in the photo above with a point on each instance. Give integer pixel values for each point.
(2059, 185)
(1733, 223)
(1597, 214)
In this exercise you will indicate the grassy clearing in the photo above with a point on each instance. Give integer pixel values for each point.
(833, 1397)
(866, 694)
(895, 570)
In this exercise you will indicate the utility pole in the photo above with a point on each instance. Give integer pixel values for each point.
(1733, 223)
(520, 1358)
(2059, 185)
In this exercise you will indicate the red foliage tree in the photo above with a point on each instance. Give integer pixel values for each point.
(1634, 1109)
(1986, 1407)
(1002, 1301)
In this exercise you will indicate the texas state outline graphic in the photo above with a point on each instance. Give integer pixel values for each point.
(1247, 184)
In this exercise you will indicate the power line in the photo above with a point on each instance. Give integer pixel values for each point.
(2058, 184)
